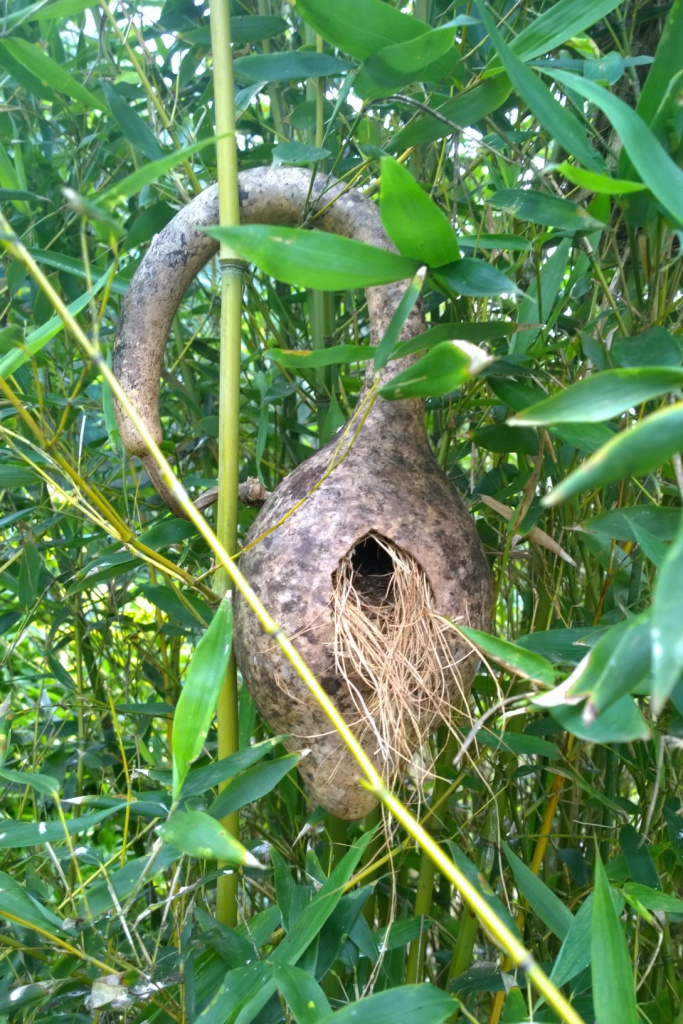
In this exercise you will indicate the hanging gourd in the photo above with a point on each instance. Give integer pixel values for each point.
(360, 552)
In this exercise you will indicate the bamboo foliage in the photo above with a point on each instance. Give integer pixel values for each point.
(542, 146)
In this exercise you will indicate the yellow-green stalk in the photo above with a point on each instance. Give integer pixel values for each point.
(232, 270)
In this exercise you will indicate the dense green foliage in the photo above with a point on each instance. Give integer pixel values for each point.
(529, 155)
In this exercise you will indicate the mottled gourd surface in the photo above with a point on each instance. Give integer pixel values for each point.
(380, 480)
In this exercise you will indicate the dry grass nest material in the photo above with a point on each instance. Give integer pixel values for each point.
(391, 649)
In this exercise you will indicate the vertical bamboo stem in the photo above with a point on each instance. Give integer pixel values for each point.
(230, 357)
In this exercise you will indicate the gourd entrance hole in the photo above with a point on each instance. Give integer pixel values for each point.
(373, 571)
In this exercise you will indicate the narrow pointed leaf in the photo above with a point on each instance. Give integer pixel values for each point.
(613, 995)
(542, 208)
(131, 124)
(282, 67)
(38, 63)
(515, 659)
(559, 120)
(304, 359)
(666, 626)
(359, 27)
(631, 453)
(442, 369)
(473, 277)
(424, 1003)
(199, 696)
(387, 343)
(314, 259)
(44, 784)
(302, 993)
(540, 898)
(199, 835)
(653, 164)
(602, 396)
(252, 784)
(415, 224)
(600, 183)
(398, 65)
(557, 24)
(616, 665)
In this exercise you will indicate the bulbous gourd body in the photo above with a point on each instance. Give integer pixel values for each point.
(380, 482)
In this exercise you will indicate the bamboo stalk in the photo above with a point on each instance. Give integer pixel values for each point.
(232, 270)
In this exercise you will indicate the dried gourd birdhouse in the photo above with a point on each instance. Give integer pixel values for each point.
(359, 552)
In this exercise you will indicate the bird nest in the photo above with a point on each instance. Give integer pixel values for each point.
(391, 649)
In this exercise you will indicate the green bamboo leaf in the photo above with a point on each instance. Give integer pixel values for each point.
(131, 124)
(425, 1003)
(359, 27)
(283, 67)
(665, 626)
(517, 660)
(19, 834)
(255, 27)
(600, 183)
(336, 355)
(613, 995)
(559, 23)
(387, 343)
(297, 153)
(653, 164)
(667, 65)
(169, 601)
(45, 784)
(541, 208)
(638, 858)
(602, 396)
(199, 835)
(398, 65)
(654, 347)
(314, 259)
(480, 883)
(463, 111)
(151, 172)
(501, 438)
(442, 369)
(39, 338)
(415, 224)
(14, 474)
(542, 298)
(619, 661)
(575, 954)
(37, 63)
(48, 11)
(197, 702)
(519, 744)
(622, 523)
(559, 120)
(476, 332)
(652, 899)
(201, 779)
(306, 928)
(17, 905)
(473, 277)
(621, 722)
(30, 567)
(651, 546)
(302, 993)
(631, 453)
(488, 242)
(542, 900)
(252, 784)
